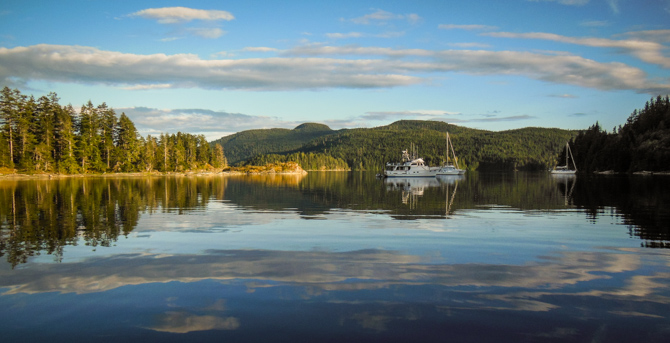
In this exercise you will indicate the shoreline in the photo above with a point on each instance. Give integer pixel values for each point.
(145, 174)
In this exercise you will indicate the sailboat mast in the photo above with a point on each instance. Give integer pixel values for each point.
(446, 143)
(573, 157)
(453, 152)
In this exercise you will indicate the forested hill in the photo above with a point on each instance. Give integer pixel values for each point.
(642, 144)
(370, 149)
(247, 144)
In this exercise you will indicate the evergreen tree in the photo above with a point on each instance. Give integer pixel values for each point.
(65, 140)
(10, 107)
(127, 144)
(148, 156)
(107, 124)
(87, 148)
(45, 152)
(164, 153)
(178, 152)
(25, 132)
(204, 154)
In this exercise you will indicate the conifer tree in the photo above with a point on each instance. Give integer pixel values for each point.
(65, 140)
(127, 144)
(9, 113)
(149, 153)
(87, 149)
(107, 124)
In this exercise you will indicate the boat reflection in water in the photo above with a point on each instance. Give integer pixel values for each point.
(413, 188)
(450, 179)
(566, 183)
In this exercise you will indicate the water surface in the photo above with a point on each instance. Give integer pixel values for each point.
(336, 257)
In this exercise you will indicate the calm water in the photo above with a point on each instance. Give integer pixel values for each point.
(339, 257)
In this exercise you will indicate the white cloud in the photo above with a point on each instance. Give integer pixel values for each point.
(209, 33)
(390, 34)
(470, 45)
(614, 5)
(148, 87)
(498, 119)
(647, 51)
(360, 35)
(181, 15)
(221, 54)
(440, 115)
(172, 15)
(90, 65)
(467, 27)
(259, 49)
(170, 39)
(564, 96)
(594, 23)
(344, 35)
(419, 114)
(381, 16)
(658, 36)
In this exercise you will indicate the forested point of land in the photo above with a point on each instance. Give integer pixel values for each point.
(42, 136)
(641, 144)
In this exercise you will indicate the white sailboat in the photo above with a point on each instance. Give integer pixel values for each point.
(565, 170)
(450, 168)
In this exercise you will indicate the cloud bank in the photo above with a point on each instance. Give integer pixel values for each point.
(313, 67)
(647, 51)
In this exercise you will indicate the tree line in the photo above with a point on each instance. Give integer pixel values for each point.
(42, 136)
(641, 144)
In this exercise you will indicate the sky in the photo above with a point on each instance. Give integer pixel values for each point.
(220, 67)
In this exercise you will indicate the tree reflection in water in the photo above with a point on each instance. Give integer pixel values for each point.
(44, 216)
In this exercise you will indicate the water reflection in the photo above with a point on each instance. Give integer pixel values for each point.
(642, 202)
(321, 271)
(384, 292)
(481, 257)
(43, 216)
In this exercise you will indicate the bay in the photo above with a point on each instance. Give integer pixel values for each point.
(336, 256)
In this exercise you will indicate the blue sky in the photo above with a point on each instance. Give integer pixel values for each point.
(216, 67)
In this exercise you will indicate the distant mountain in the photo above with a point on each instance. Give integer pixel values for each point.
(371, 148)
